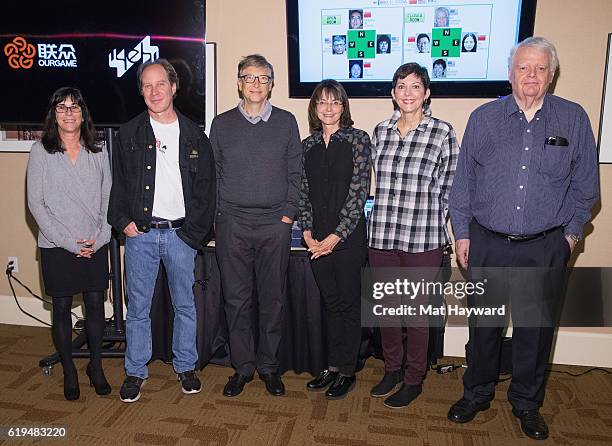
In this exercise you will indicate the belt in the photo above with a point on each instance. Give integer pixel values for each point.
(167, 224)
(517, 238)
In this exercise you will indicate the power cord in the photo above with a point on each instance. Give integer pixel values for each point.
(10, 277)
(592, 369)
(441, 369)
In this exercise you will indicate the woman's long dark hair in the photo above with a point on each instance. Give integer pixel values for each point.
(51, 139)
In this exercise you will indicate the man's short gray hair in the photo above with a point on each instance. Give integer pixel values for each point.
(255, 60)
(541, 44)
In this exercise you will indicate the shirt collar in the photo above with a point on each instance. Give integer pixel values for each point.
(420, 128)
(318, 135)
(263, 116)
(511, 107)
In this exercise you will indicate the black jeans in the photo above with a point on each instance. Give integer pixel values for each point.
(531, 345)
(338, 276)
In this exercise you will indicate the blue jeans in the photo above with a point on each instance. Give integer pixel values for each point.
(142, 256)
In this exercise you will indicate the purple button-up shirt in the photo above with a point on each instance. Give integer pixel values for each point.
(520, 177)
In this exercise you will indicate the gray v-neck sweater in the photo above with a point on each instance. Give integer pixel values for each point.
(259, 166)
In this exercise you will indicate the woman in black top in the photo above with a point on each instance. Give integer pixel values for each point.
(335, 185)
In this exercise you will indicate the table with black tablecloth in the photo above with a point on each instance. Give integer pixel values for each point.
(302, 346)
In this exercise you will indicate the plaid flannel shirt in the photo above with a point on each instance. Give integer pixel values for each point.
(414, 175)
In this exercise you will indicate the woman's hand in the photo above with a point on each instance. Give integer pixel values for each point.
(310, 242)
(324, 247)
(87, 249)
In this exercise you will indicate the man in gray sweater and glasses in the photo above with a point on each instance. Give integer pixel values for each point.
(259, 161)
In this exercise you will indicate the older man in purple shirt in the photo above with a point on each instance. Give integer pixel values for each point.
(526, 180)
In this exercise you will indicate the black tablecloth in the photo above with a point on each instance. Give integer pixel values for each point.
(302, 346)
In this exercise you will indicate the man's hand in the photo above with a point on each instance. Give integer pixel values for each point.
(325, 247)
(572, 243)
(287, 220)
(462, 248)
(131, 230)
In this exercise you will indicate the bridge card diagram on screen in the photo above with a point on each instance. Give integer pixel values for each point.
(451, 39)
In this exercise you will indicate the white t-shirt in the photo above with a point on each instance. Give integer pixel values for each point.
(168, 202)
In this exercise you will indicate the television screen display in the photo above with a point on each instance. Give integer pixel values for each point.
(464, 44)
(97, 47)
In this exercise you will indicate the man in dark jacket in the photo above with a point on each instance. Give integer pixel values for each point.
(163, 200)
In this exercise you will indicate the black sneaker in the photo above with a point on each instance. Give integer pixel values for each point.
(190, 383)
(130, 389)
(386, 385)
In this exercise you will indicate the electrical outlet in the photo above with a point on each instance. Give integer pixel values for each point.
(15, 263)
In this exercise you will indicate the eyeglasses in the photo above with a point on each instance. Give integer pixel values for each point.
(324, 103)
(74, 108)
(250, 78)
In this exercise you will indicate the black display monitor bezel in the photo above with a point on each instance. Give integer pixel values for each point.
(442, 89)
(117, 26)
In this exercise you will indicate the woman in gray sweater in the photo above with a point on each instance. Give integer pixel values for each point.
(69, 184)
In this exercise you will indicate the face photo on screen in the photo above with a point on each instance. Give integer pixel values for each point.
(441, 16)
(438, 70)
(383, 44)
(356, 69)
(338, 44)
(355, 19)
(423, 43)
(469, 43)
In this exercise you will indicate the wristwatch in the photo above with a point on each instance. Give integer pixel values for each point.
(574, 237)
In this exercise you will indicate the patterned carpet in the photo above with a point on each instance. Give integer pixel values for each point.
(578, 410)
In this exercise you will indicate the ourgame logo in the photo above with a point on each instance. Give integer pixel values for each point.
(20, 53)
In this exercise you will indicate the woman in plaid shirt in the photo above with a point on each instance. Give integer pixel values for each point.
(414, 157)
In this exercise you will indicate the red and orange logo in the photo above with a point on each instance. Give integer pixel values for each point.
(20, 53)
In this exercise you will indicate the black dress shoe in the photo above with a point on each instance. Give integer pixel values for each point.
(322, 381)
(341, 386)
(404, 396)
(386, 385)
(465, 410)
(235, 385)
(532, 423)
(274, 385)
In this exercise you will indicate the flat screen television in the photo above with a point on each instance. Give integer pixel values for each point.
(464, 44)
(97, 47)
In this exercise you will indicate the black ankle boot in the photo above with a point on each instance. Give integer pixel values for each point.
(71, 384)
(386, 384)
(98, 380)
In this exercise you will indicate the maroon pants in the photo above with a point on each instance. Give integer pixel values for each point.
(417, 337)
